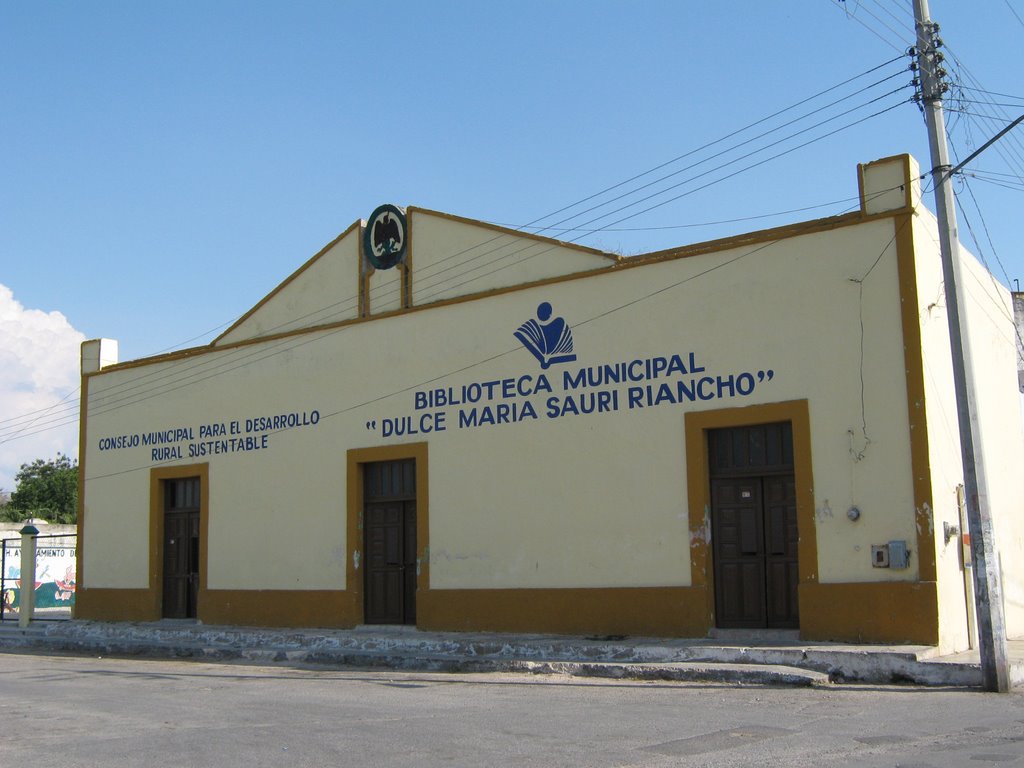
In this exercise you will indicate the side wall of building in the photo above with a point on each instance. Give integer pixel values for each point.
(993, 346)
(944, 466)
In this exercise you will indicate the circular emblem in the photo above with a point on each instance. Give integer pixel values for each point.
(385, 237)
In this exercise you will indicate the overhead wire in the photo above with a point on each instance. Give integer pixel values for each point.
(692, 191)
(425, 286)
(348, 304)
(906, 31)
(1006, 314)
(539, 229)
(258, 350)
(719, 140)
(203, 367)
(1014, 12)
(900, 45)
(694, 225)
(1017, 187)
(993, 118)
(744, 254)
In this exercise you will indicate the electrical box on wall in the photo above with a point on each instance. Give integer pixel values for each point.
(892, 555)
(899, 555)
(879, 556)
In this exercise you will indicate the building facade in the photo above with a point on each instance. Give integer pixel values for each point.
(439, 422)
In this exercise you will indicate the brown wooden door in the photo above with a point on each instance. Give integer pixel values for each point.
(389, 522)
(754, 529)
(782, 572)
(181, 548)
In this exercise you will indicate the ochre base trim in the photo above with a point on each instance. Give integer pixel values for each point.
(653, 611)
(98, 604)
(877, 612)
(254, 608)
(280, 608)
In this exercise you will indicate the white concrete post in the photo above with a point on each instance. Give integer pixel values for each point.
(27, 593)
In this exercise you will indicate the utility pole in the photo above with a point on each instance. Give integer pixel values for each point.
(987, 589)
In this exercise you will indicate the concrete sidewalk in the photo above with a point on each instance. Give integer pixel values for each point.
(767, 658)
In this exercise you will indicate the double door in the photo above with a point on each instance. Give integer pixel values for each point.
(755, 539)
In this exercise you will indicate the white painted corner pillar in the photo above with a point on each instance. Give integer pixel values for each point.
(97, 354)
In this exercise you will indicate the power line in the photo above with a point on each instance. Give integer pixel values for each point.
(375, 294)
(900, 46)
(993, 93)
(1015, 15)
(384, 291)
(427, 279)
(197, 376)
(462, 369)
(721, 139)
(694, 225)
(694, 178)
(1010, 150)
(213, 368)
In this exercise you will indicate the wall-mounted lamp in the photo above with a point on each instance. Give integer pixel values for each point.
(949, 531)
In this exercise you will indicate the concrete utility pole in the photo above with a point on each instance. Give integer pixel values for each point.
(987, 589)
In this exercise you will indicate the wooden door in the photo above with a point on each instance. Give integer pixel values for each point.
(389, 522)
(782, 571)
(181, 548)
(754, 527)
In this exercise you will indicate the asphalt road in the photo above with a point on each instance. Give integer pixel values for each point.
(116, 713)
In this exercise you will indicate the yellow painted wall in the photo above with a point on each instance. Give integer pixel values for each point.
(385, 290)
(844, 315)
(115, 543)
(579, 501)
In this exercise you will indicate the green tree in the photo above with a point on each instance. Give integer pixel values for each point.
(45, 489)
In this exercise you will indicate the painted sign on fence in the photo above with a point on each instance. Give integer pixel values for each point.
(55, 573)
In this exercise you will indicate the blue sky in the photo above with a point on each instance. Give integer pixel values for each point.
(165, 165)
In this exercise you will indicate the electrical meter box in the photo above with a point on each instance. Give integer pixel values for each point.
(879, 556)
(899, 555)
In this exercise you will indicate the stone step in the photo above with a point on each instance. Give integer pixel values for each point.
(645, 658)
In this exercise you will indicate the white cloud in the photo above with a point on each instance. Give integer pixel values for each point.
(39, 368)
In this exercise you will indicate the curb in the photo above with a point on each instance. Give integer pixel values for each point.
(643, 659)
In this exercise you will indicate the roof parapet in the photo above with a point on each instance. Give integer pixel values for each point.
(97, 354)
(889, 185)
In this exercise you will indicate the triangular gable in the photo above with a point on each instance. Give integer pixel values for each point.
(448, 257)
(322, 291)
(454, 256)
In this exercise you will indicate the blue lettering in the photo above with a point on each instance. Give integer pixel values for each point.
(702, 392)
(745, 383)
(635, 397)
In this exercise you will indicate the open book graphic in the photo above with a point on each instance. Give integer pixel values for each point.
(550, 342)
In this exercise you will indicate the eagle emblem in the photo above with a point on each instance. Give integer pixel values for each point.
(385, 236)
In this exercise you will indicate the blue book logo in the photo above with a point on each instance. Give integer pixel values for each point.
(548, 339)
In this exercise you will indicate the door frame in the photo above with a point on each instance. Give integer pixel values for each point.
(698, 484)
(157, 476)
(355, 459)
